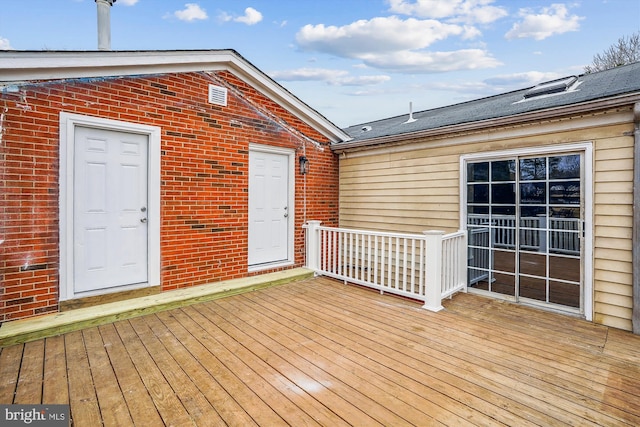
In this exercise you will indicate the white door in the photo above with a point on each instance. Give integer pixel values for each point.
(110, 209)
(268, 207)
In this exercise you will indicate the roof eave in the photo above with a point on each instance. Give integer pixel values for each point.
(407, 138)
(20, 66)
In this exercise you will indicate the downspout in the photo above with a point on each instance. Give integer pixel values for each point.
(635, 242)
(104, 23)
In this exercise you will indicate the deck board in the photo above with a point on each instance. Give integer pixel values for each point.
(141, 407)
(113, 407)
(163, 395)
(82, 391)
(318, 352)
(10, 359)
(30, 380)
(226, 409)
(55, 387)
(220, 364)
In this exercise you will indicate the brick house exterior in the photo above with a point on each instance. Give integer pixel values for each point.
(203, 162)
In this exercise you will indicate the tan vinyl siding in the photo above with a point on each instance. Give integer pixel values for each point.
(613, 219)
(412, 190)
(384, 192)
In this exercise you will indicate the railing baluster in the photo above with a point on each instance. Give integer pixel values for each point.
(334, 252)
(375, 259)
(340, 253)
(338, 242)
(330, 252)
(359, 253)
(404, 264)
(351, 255)
(369, 257)
(422, 264)
(392, 241)
(324, 248)
(413, 266)
(382, 258)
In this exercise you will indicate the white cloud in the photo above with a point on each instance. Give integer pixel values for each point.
(5, 44)
(332, 77)
(362, 80)
(522, 80)
(127, 2)
(432, 62)
(251, 17)
(469, 11)
(396, 44)
(191, 12)
(308, 74)
(378, 35)
(551, 20)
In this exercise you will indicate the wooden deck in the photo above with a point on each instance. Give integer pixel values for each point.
(317, 352)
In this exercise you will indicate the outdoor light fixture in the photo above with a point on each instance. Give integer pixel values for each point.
(304, 165)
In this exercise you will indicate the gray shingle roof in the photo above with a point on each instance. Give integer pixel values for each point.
(589, 87)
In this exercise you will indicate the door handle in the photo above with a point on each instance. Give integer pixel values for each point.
(286, 215)
(143, 220)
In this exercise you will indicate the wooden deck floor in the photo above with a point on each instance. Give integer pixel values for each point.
(317, 352)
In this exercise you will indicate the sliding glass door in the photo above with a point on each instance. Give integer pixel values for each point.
(525, 219)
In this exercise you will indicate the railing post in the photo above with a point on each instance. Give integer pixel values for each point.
(433, 264)
(313, 245)
(464, 254)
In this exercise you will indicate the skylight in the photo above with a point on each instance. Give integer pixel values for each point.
(552, 87)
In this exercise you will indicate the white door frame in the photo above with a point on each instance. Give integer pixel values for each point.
(587, 149)
(68, 123)
(291, 185)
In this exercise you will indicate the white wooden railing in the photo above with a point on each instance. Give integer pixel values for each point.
(539, 233)
(427, 267)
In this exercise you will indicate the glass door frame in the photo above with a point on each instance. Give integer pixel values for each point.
(584, 148)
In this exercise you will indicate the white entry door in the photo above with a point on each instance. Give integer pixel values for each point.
(268, 207)
(110, 209)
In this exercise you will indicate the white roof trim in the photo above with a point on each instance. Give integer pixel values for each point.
(19, 66)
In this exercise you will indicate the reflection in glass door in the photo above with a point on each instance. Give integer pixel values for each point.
(525, 219)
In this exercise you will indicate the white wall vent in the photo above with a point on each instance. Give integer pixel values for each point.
(218, 95)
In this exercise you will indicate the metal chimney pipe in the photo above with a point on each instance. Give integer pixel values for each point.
(410, 119)
(104, 23)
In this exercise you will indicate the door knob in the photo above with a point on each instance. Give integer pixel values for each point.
(143, 220)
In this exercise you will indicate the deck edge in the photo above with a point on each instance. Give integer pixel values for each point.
(24, 330)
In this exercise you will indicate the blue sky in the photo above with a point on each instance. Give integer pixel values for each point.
(352, 60)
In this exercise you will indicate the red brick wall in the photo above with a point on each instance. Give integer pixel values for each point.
(204, 176)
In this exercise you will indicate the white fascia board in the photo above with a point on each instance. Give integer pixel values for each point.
(21, 66)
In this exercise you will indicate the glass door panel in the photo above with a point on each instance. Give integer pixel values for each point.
(524, 222)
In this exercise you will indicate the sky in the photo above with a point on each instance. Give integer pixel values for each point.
(353, 61)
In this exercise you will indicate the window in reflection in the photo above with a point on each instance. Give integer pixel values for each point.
(478, 172)
(564, 167)
(533, 169)
(504, 170)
